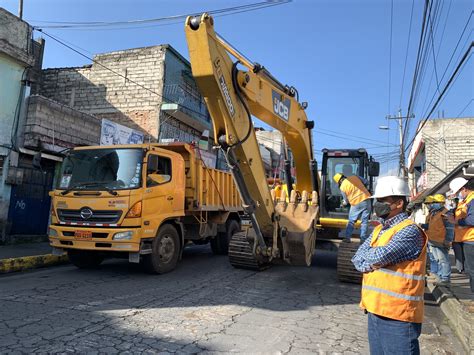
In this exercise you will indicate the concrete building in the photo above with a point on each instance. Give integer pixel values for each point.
(440, 146)
(20, 64)
(150, 89)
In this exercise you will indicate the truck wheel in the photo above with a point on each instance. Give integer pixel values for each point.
(165, 251)
(220, 243)
(85, 259)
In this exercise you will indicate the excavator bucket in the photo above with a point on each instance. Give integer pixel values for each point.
(297, 220)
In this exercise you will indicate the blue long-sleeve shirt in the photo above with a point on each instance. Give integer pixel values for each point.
(406, 244)
(469, 220)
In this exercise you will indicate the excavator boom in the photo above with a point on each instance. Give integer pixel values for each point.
(279, 229)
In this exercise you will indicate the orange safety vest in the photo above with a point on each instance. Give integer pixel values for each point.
(436, 230)
(395, 291)
(355, 190)
(463, 233)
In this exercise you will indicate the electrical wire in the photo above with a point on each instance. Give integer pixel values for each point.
(433, 52)
(464, 109)
(102, 24)
(452, 55)
(418, 61)
(406, 52)
(446, 87)
(390, 58)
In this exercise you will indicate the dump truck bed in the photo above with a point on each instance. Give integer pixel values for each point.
(207, 189)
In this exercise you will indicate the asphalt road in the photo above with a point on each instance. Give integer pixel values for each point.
(203, 306)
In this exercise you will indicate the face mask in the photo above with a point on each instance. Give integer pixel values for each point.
(382, 209)
(436, 206)
(460, 196)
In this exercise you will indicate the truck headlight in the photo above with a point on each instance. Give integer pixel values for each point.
(52, 232)
(123, 235)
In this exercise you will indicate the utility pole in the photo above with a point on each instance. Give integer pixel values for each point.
(401, 169)
(20, 9)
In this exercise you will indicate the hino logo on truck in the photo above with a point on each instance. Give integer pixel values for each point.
(281, 107)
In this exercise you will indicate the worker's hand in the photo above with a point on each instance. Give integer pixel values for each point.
(343, 203)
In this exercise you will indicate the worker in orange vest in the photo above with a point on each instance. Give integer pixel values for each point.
(463, 220)
(393, 263)
(356, 194)
(440, 233)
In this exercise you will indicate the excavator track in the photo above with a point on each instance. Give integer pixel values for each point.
(241, 255)
(345, 269)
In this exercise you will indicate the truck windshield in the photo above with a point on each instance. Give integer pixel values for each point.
(93, 169)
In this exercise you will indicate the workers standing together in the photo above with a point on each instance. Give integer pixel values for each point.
(393, 262)
(355, 193)
(440, 233)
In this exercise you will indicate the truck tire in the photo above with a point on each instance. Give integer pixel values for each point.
(220, 243)
(165, 251)
(83, 259)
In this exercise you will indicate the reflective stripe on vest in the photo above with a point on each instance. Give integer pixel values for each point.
(436, 230)
(395, 291)
(463, 233)
(355, 190)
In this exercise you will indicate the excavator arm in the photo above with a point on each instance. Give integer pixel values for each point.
(279, 229)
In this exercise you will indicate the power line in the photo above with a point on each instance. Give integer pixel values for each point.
(418, 59)
(99, 24)
(433, 52)
(406, 53)
(352, 135)
(452, 55)
(390, 57)
(446, 87)
(350, 139)
(464, 109)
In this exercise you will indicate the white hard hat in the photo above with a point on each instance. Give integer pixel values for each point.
(456, 184)
(391, 186)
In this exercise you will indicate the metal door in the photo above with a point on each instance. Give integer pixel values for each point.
(29, 202)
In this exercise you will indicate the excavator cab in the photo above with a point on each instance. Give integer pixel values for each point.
(348, 162)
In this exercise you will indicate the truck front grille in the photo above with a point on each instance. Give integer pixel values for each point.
(87, 215)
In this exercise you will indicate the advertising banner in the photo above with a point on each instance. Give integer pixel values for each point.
(113, 133)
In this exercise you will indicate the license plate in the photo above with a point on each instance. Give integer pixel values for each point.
(83, 235)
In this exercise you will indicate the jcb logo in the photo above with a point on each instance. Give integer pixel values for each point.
(281, 107)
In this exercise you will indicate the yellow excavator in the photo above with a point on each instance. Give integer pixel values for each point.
(281, 228)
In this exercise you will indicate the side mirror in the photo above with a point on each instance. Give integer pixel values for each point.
(374, 168)
(37, 161)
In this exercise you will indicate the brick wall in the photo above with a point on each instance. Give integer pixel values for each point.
(96, 90)
(55, 126)
(448, 142)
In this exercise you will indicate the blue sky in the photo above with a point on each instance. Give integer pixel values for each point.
(335, 52)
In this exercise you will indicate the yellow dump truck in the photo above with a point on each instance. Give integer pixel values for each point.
(143, 202)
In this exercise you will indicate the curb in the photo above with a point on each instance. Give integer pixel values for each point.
(460, 320)
(31, 262)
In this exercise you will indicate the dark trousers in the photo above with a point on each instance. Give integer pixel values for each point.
(393, 337)
(469, 262)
